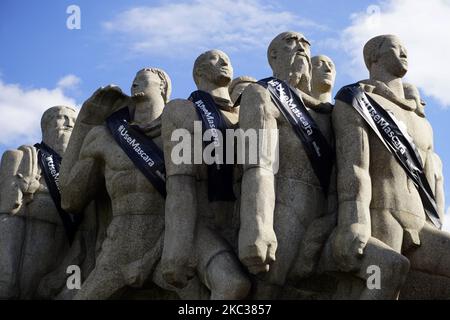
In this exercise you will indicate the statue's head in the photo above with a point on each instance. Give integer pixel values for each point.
(57, 124)
(289, 54)
(386, 53)
(238, 85)
(151, 81)
(323, 73)
(212, 67)
(412, 93)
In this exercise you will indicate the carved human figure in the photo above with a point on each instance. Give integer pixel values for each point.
(199, 238)
(33, 239)
(238, 85)
(433, 162)
(277, 207)
(381, 219)
(133, 243)
(323, 77)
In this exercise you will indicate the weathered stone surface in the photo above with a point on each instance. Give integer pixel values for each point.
(33, 239)
(323, 77)
(133, 242)
(238, 85)
(278, 207)
(200, 238)
(381, 218)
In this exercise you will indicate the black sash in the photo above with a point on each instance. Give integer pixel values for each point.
(141, 150)
(317, 148)
(385, 126)
(49, 162)
(220, 175)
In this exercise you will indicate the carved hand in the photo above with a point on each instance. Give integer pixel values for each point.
(101, 104)
(257, 255)
(177, 272)
(349, 244)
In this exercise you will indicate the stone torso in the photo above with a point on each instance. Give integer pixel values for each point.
(391, 187)
(128, 188)
(181, 115)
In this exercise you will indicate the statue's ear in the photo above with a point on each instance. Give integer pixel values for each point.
(374, 55)
(273, 54)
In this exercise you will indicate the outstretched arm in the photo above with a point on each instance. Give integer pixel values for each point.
(82, 179)
(178, 263)
(257, 239)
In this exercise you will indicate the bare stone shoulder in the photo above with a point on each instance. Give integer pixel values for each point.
(256, 101)
(181, 114)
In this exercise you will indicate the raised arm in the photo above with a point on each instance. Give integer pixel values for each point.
(178, 263)
(354, 186)
(257, 239)
(11, 196)
(83, 177)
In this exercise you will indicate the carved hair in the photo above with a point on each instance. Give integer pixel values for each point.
(199, 62)
(372, 49)
(166, 83)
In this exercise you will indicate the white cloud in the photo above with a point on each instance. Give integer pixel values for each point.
(69, 82)
(174, 28)
(22, 108)
(423, 27)
(446, 226)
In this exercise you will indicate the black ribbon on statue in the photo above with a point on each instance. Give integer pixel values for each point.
(140, 149)
(220, 174)
(386, 128)
(317, 148)
(49, 162)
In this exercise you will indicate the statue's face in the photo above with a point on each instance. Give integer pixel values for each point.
(216, 68)
(60, 123)
(294, 49)
(323, 72)
(145, 84)
(393, 57)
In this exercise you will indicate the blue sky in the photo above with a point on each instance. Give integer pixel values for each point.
(43, 63)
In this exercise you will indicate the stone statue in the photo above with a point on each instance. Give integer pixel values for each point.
(238, 85)
(323, 77)
(33, 240)
(132, 246)
(433, 162)
(381, 218)
(278, 207)
(199, 238)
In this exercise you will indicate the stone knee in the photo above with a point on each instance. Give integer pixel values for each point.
(226, 279)
(395, 268)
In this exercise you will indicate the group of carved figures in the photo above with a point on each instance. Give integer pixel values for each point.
(340, 190)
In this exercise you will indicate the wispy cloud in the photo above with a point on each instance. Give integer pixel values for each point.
(422, 26)
(175, 28)
(70, 82)
(22, 108)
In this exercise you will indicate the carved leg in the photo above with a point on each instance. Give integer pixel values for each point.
(43, 251)
(393, 270)
(289, 231)
(433, 255)
(11, 239)
(219, 267)
(129, 237)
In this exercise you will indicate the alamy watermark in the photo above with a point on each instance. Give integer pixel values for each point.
(250, 147)
(373, 282)
(73, 21)
(73, 281)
